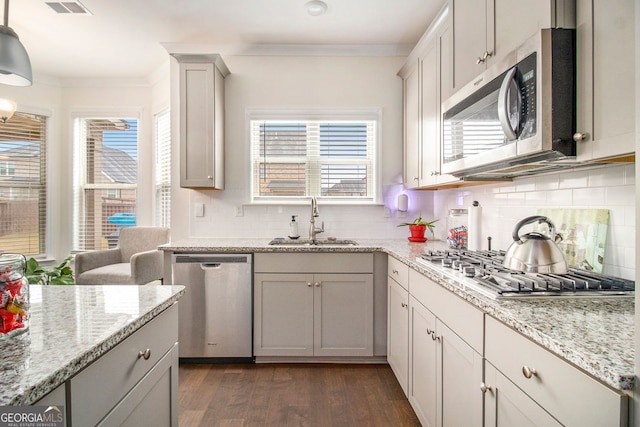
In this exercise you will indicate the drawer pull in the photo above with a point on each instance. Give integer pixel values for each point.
(529, 372)
(484, 387)
(429, 331)
(394, 271)
(317, 284)
(144, 354)
(309, 284)
(434, 336)
(403, 304)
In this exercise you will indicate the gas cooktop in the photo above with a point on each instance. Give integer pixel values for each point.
(482, 271)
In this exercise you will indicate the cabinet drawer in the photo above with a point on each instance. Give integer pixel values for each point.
(466, 320)
(313, 263)
(570, 395)
(99, 387)
(398, 272)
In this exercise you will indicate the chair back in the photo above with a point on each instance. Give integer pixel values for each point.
(140, 239)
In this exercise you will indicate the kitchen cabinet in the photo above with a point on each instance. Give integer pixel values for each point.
(398, 321)
(569, 395)
(484, 31)
(201, 121)
(605, 79)
(56, 397)
(444, 368)
(317, 305)
(135, 383)
(506, 405)
(426, 79)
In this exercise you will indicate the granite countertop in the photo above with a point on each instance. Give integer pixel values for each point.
(70, 327)
(595, 334)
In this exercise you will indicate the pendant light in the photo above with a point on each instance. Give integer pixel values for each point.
(15, 66)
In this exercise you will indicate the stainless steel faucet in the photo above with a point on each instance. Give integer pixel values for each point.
(313, 230)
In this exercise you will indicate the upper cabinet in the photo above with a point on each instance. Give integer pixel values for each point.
(486, 30)
(605, 75)
(201, 120)
(427, 79)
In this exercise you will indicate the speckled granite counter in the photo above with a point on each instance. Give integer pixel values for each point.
(70, 327)
(596, 335)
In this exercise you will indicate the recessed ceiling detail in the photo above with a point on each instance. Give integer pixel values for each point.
(69, 7)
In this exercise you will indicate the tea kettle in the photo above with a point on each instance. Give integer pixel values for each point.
(535, 252)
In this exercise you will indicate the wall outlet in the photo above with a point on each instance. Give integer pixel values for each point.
(199, 210)
(239, 210)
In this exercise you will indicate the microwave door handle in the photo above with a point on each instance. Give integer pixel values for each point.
(509, 83)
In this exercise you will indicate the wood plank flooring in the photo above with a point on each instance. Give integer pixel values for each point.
(292, 395)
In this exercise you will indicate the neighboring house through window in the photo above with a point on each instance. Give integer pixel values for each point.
(332, 156)
(105, 180)
(23, 189)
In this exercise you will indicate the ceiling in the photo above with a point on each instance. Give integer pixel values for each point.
(123, 38)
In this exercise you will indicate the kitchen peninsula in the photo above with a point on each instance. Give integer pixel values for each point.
(573, 336)
(83, 336)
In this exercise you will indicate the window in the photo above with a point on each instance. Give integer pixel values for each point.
(105, 180)
(333, 159)
(163, 168)
(23, 184)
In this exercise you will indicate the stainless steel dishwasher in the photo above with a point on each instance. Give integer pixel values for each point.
(216, 310)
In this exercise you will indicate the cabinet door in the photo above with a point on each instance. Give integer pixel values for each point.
(473, 36)
(283, 315)
(506, 405)
(461, 372)
(430, 146)
(343, 315)
(412, 128)
(153, 401)
(398, 332)
(605, 73)
(422, 363)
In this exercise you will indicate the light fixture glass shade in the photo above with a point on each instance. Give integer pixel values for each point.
(7, 108)
(316, 7)
(15, 66)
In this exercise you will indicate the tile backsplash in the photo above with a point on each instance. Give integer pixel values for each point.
(506, 203)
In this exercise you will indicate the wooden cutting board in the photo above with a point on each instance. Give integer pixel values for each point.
(584, 233)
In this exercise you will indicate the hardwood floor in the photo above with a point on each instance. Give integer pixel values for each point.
(292, 395)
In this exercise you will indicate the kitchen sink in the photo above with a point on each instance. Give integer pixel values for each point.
(318, 242)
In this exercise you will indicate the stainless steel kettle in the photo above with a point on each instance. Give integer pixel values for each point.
(534, 252)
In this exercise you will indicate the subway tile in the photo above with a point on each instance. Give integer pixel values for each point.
(547, 182)
(559, 198)
(606, 176)
(574, 179)
(630, 174)
(588, 196)
(630, 215)
(525, 186)
(623, 195)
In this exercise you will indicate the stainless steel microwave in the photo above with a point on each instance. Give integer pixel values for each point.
(519, 116)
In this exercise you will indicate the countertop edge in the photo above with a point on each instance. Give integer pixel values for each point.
(57, 378)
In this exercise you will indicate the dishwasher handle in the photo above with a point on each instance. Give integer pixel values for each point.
(211, 259)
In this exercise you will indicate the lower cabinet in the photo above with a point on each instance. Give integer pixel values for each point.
(505, 405)
(398, 332)
(443, 372)
(135, 383)
(567, 394)
(313, 315)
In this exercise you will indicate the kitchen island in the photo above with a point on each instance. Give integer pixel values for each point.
(71, 328)
(594, 334)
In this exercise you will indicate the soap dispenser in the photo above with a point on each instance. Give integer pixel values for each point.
(293, 228)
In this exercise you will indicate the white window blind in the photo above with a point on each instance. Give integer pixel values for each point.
(105, 180)
(330, 159)
(23, 210)
(163, 168)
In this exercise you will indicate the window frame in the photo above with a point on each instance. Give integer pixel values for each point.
(325, 115)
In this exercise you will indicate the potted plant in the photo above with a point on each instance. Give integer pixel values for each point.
(61, 274)
(418, 228)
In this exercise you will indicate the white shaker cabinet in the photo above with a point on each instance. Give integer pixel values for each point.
(605, 79)
(445, 359)
(318, 305)
(487, 30)
(398, 321)
(201, 93)
(566, 393)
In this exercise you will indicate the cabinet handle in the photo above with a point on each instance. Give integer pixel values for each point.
(485, 387)
(435, 173)
(434, 336)
(317, 284)
(394, 271)
(209, 177)
(529, 372)
(580, 136)
(415, 178)
(429, 331)
(483, 58)
(309, 284)
(403, 304)
(144, 354)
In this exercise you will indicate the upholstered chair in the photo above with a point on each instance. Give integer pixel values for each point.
(134, 261)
